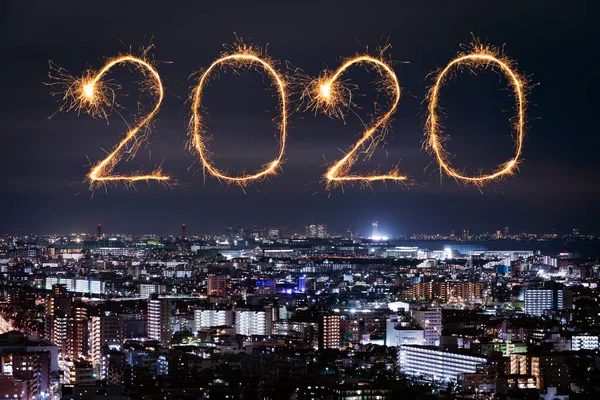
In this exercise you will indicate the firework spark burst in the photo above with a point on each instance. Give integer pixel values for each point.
(94, 95)
(237, 57)
(332, 96)
(477, 56)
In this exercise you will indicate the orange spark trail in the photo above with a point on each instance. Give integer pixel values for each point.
(329, 95)
(94, 97)
(244, 56)
(480, 57)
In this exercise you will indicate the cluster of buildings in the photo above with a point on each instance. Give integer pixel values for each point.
(252, 314)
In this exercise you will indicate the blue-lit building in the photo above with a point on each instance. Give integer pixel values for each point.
(502, 269)
(301, 284)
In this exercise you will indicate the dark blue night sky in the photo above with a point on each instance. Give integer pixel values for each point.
(43, 161)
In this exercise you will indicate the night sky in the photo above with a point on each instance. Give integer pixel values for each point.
(43, 161)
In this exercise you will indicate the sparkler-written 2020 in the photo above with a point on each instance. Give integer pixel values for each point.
(328, 94)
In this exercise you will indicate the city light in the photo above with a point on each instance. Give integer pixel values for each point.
(379, 238)
(241, 283)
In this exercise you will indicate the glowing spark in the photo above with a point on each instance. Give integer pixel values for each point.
(331, 96)
(480, 56)
(88, 90)
(242, 56)
(326, 91)
(96, 98)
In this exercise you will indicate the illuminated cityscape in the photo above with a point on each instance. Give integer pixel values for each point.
(265, 200)
(257, 310)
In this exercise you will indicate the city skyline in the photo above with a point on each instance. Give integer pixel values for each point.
(451, 320)
(366, 231)
(333, 199)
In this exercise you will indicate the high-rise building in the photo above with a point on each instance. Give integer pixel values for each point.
(301, 284)
(66, 324)
(375, 229)
(330, 331)
(249, 322)
(212, 318)
(466, 292)
(78, 284)
(217, 285)
(107, 329)
(539, 301)
(427, 290)
(59, 331)
(316, 231)
(430, 319)
(59, 300)
(13, 388)
(273, 234)
(321, 231)
(349, 234)
(159, 319)
(465, 234)
(78, 334)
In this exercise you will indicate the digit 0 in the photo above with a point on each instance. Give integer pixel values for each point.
(481, 57)
(245, 56)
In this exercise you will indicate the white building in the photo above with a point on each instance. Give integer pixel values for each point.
(146, 289)
(400, 331)
(584, 342)
(159, 319)
(253, 322)
(79, 285)
(431, 321)
(212, 318)
(399, 337)
(436, 365)
(398, 305)
(538, 301)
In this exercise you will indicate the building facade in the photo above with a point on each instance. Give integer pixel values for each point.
(436, 365)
